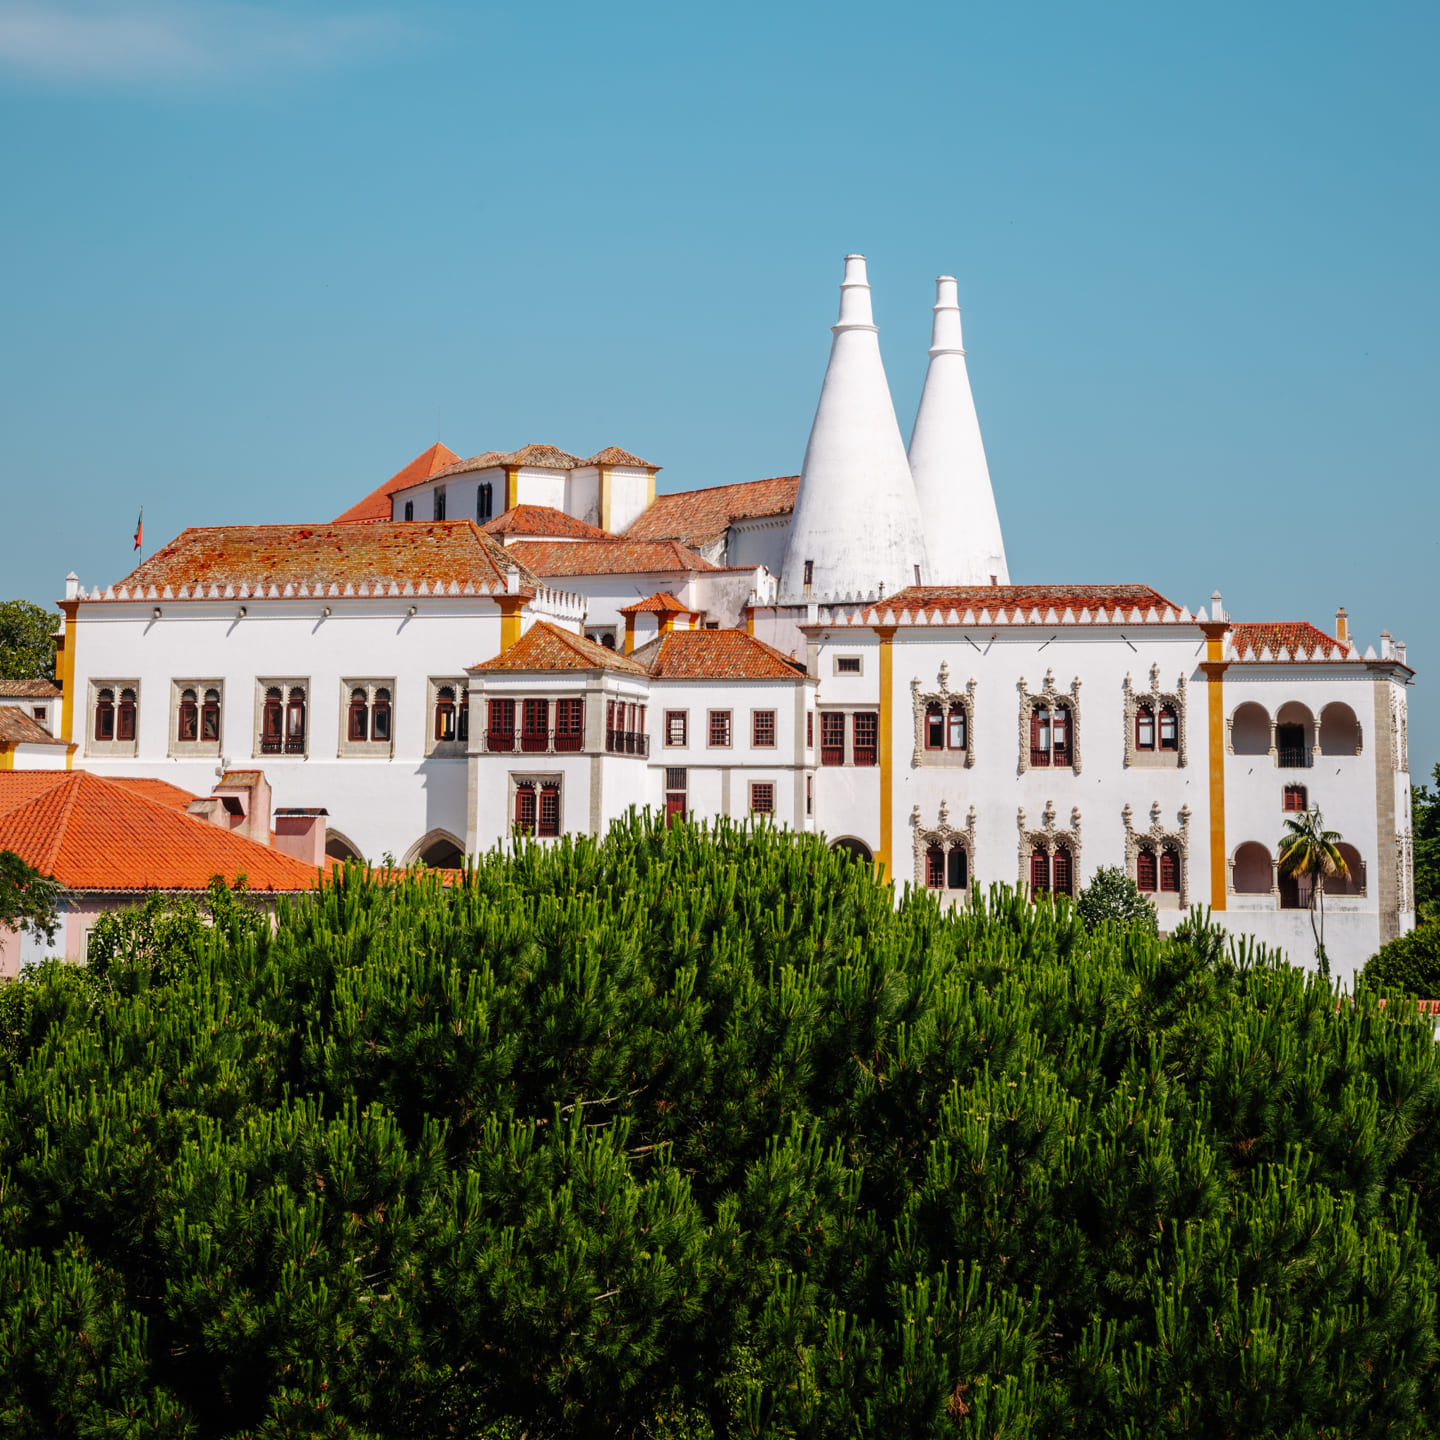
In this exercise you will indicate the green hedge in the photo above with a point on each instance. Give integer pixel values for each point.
(1411, 964)
(700, 1134)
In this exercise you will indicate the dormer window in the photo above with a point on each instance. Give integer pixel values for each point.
(485, 502)
(409, 509)
(439, 502)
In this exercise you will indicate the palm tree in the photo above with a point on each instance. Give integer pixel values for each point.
(1307, 851)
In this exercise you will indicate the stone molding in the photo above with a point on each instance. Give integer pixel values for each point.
(945, 697)
(1049, 695)
(1156, 699)
(1049, 839)
(946, 835)
(1159, 837)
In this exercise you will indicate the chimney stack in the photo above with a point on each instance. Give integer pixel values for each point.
(1342, 626)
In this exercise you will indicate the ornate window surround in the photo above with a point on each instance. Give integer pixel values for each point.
(1157, 699)
(1049, 695)
(945, 697)
(1158, 837)
(1049, 840)
(944, 834)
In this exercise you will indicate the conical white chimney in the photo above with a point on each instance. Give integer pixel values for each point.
(857, 524)
(947, 459)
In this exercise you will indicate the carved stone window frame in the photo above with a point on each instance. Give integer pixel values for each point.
(944, 697)
(1049, 695)
(1157, 699)
(944, 834)
(1049, 839)
(1158, 837)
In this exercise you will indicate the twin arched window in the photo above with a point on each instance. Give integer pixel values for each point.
(1145, 729)
(115, 721)
(1051, 874)
(452, 715)
(198, 719)
(369, 716)
(282, 721)
(945, 730)
(1161, 875)
(1051, 736)
(947, 871)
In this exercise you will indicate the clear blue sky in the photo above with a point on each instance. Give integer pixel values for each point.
(249, 252)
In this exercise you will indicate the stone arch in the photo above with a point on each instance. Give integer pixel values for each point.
(1252, 870)
(339, 846)
(438, 849)
(1339, 730)
(1355, 885)
(1294, 735)
(1250, 729)
(855, 849)
(947, 838)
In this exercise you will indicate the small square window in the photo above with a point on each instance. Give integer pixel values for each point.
(677, 725)
(762, 797)
(847, 665)
(763, 729)
(720, 729)
(1297, 798)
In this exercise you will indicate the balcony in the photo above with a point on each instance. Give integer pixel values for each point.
(545, 742)
(626, 742)
(865, 754)
(832, 754)
(1293, 757)
(500, 741)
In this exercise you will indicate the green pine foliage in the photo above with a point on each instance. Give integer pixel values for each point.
(1410, 964)
(696, 1134)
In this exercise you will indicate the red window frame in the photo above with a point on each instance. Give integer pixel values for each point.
(1296, 799)
(1144, 728)
(1169, 728)
(957, 875)
(1040, 735)
(295, 721)
(832, 737)
(1062, 737)
(957, 728)
(1062, 872)
(525, 809)
(210, 717)
(359, 722)
(1039, 873)
(865, 735)
(105, 715)
(187, 726)
(380, 715)
(719, 729)
(762, 729)
(445, 713)
(677, 729)
(534, 725)
(1146, 872)
(125, 716)
(272, 722)
(934, 726)
(809, 729)
(847, 665)
(570, 725)
(548, 821)
(935, 867)
(1169, 871)
(762, 797)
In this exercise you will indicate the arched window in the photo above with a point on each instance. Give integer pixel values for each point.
(1039, 872)
(1060, 736)
(462, 717)
(445, 713)
(1250, 729)
(359, 716)
(295, 721)
(1144, 728)
(1169, 729)
(934, 727)
(1145, 872)
(608, 640)
(525, 808)
(1354, 883)
(380, 715)
(958, 876)
(1169, 871)
(955, 736)
(409, 511)
(210, 717)
(439, 502)
(1294, 736)
(105, 715)
(1339, 730)
(1297, 798)
(935, 867)
(1062, 875)
(125, 716)
(272, 722)
(485, 502)
(1040, 735)
(549, 817)
(1254, 871)
(188, 724)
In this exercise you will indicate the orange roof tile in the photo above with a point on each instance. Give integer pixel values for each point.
(383, 552)
(92, 834)
(658, 604)
(542, 521)
(614, 455)
(547, 647)
(612, 557)
(17, 728)
(701, 516)
(29, 690)
(1302, 640)
(537, 457)
(376, 505)
(936, 601)
(159, 790)
(715, 655)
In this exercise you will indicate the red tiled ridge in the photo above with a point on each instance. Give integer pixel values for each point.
(1024, 604)
(543, 521)
(662, 603)
(699, 517)
(258, 559)
(376, 505)
(547, 647)
(1300, 640)
(161, 791)
(535, 457)
(17, 728)
(29, 690)
(92, 834)
(715, 655)
(614, 455)
(611, 557)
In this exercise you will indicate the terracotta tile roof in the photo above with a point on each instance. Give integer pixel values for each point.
(715, 655)
(92, 834)
(543, 521)
(1298, 638)
(1025, 604)
(376, 505)
(614, 455)
(612, 557)
(29, 690)
(161, 791)
(699, 517)
(453, 553)
(658, 604)
(547, 647)
(537, 457)
(17, 728)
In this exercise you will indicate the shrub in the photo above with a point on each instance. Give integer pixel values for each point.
(1112, 895)
(1411, 964)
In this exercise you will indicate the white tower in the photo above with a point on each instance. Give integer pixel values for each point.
(857, 524)
(947, 459)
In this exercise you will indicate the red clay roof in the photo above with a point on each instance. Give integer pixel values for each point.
(376, 505)
(17, 728)
(448, 552)
(936, 601)
(611, 557)
(614, 455)
(715, 655)
(29, 690)
(662, 603)
(537, 457)
(547, 647)
(1302, 640)
(161, 791)
(701, 516)
(92, 834)
(543, 521)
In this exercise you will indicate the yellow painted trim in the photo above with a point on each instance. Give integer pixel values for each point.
(7, 757)
(651, 500)
(65, 669)
(629, 634)
(667, 623)
(887, 769)
(749, 619)
(512, 487)
(604, 497)
(510, 609)
(1214, 669)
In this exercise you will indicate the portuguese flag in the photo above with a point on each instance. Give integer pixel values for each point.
(139, 527)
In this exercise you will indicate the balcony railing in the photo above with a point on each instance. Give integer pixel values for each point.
(546, 742)
(832, 754)
(500, 741)
(290, 746)
(865, 754)
(626, 742)
(1294, 757)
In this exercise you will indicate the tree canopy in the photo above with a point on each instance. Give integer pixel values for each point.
(689, 1133)
(1425, 812)
(28, 899)
(27, 641)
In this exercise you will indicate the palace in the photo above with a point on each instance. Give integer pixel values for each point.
(531, 640)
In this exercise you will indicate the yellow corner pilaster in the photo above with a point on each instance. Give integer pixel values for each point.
(651, 500)
(65, 670)
(887, 767)
(604, 497)
(1214, 668)
(512, 487)
(667, 623)
(749, 619)
(510, 609)
(629, 634)
(7, 757)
